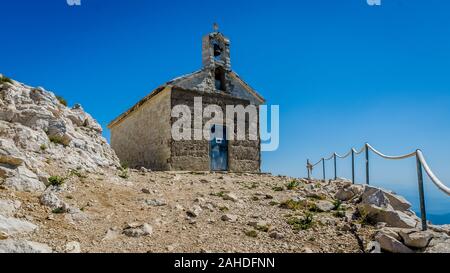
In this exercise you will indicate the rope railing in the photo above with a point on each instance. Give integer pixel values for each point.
(420, 161)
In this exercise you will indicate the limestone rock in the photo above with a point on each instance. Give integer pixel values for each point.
(9, 154)
(439, 245)
(156, 202)
(348, 193)
(390, 216)
(416, 239)
(136, 230)
(324, 206)
(111, 234)
(50, 200)
(195, 211)
(23, 246)
(13, 226)
(381, 198)
(73, 247)
(24, 180)
(229, 218)
(8, 207)
(373, 247)
(231, 197)
(57, 129)
(390, 244)
(29, 119)
(277, 235)
(261, 225)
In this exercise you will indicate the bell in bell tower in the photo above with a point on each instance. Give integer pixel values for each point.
(216, 50)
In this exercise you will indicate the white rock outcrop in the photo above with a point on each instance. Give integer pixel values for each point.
(11, 226)
(23, 246)
(37, 130)
(386, 207)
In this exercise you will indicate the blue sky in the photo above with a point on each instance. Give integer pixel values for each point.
(343, 72)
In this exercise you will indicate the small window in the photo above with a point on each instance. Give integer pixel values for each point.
(220, 79)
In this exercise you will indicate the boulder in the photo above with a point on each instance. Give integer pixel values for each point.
(390, 216)
(390, 244)
(393, 232)
(415, 239)
(12, 226)
(156, 202)
(195, 211)
(111, 234)
(73, 247)
(277, 235)
(57, 130)
(324, 206)
(23, 246)
(9, 154)
(24, 180)
(52, 201)
(231, 197)
(348, 193)
(439, 245)
(8, 208)
(261, 225)
(381, 198)
(229, 218)
(373, 247)
(138, 230)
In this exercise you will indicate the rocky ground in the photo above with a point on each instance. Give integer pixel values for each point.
(62, 189)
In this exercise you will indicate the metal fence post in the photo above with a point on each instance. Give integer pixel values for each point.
(367, 165)
(308, 168)
(353, 166)
(335, 165)
(423, 212)
(323, 169)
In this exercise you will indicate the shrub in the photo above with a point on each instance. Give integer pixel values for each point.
(251, 233)
(124, 165)
(292, 205)
(302, 223)
(293, 185)
(339, 214)
(61, 100)
(58, 211)
(219, 194)
(277, 189)
(313, 207)
(77, 173)
(43, 147)
(337, 204)
(56, 180)
(5, 79)
(57, 140)
(124, 174)
(364, 217)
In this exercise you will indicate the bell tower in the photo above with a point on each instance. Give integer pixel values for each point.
(216, 50)
(216, 58)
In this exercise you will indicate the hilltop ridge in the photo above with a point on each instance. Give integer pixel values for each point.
(62, 189)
